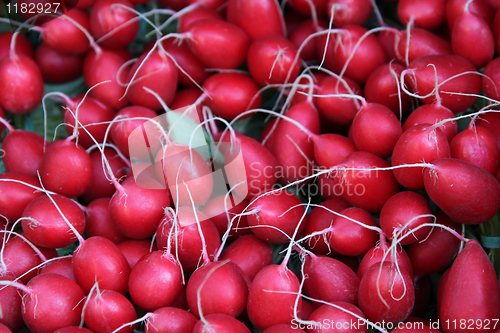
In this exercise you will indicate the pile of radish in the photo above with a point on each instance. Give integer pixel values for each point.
(250, 166)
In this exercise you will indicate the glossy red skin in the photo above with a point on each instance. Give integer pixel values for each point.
(212, 4)
(50, 292)
(338, 110)
(284, 328)
(155, 281)
(111, 271)
(467, 193)
(52, 231)
(417, 144)
(250, 253)
(272, 208)
(422, 43)
(66, 169)
(432, 114)
(135, 249)
(220, 323)
(376, 254)
(73, 329)
(224, 289)
(491, 81)
(190, 249)
(196, 14)
(23, 46)
(104, 67)
(174, 4)
(428, 14)
(368, 56)
(263, 64)
(330, 280)
(382, 87)
(90, 112)
(103, 20)
(22, 84)
(14, 197)
(64, 36)
(330, 149)
(58, 67)
(380, 139)
(482, 8)
(471, 291)
(216, 209)
(11, 304)
(136, 212)
(170, 319)
(258, 18)
(349, 238)
(267, 309)
(468, 28)
(62, 266)
(391, 284)
(490, 121)
(400, 209)
(333, 319)
(478, 146)
(356, 12)
(99, 222)
(437, 251)
(320, 219)
(231, 94)
(303, 7)
(108, 310)
(186, 97)
(19, 258)
(446, 67)
(218, 44)
(300, 33)
(366, 189)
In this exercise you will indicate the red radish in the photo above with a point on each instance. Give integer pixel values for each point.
(182, 232)
(386, 293)
(47, 224)
(155, 281)
(197, 14)
(218, 44)
(419, 143)
(58, 67)
(330, 280)
(107, 310)
(250, 253)
(220, 323)
(422, 43)
(363, 186)
(432, 114)
(51, 302)
(284, 328)
(347, 12)
(11, 305)
(217, 287)
(469, 27)
(387, 39)
(156, 71)
(478, 146)
(66, 168)
(22, 46)
(450, 181)
(258, 18)
(379, 140)
(399, 215)
(231, 94)
(62, 266)
(99, 260)
(63, 35)
(169, 319)
(435, 253)
(423, 73)
(330, 149)
(299, 34)
(482, 8)
(335, 318)
(383, 87)
(21, 86)
(422, 298)
(281, 210)
(104, 66)
(73, 329)
(304, 6)
(471, 291)
(212, 4)
(136, 212)
(352, 239)
(16, 194)
(187, 97)
(272, 59)
(134, 249)
(89, 112)
(216, 209)
(489, 120)
(427, 14)
(491, 79)
(99, 222)
(114, 22)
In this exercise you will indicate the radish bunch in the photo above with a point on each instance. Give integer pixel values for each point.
(251, 166)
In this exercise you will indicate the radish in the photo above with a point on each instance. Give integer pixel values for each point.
(169, 319)
(490, 121)
(99, 222)
(304, 6)
(15, 194)
(11, 306)
(215, 206)
(196, 13)
(421, 43)
(471, 292)
(134, 249)
(73, 329)
(220, 323)
(62, 266)
(58, 67)
(344, 317)
(302, 32)
(432, 114)
(330, 149)
(482, 8)
(427, 14)
(258, 18)
(448, 183)
(347, 12)
(283, 328)
(22, 45)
